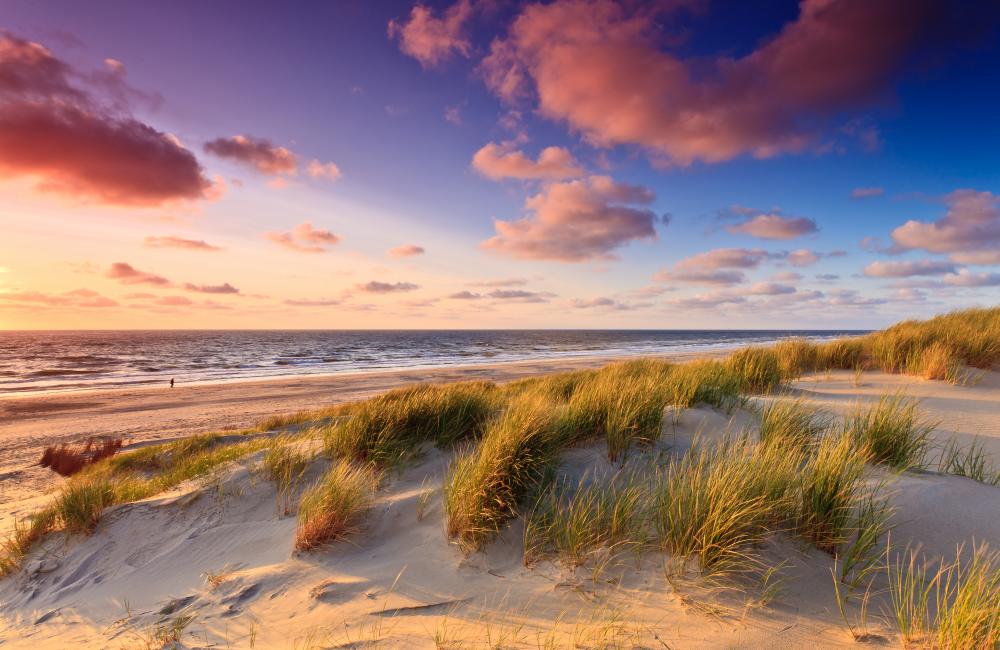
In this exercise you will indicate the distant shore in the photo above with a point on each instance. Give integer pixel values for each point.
(29, 423)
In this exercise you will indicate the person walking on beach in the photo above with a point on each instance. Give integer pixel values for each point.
(171, 382)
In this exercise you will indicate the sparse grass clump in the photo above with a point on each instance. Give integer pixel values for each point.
(892, 431)
(717, 502)
(757, 369)
(284, 463)
(67, 460)
(332, 509)
(972, 462)
(950, 605)
(391, 427)
(487, 484)
(796, 356)
(792, 423)
(621, 402)
(574, 521)
(831, 485)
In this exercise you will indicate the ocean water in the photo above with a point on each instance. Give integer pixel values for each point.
(78, 360)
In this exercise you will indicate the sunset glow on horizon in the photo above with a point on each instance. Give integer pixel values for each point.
(490, 164)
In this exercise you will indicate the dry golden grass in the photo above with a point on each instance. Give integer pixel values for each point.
(334, 507)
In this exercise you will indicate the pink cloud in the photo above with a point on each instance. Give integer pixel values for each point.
(323, 302)
(258, 153)
(465, 295)
(866, 192)
(128, 274)
(173, 301)
(65, 138)
(770, 289)
(224, 288)
(329, 171)
(577, 221)
(304, 238)
(431, 40)
(606, 304)
(772, 225)
(966, 278)
(600, 67)
(406, 250)
(77, 298)
(802, 257)
(519, 295)
(908, 268)
(386, 287)
(969, 231)
(716, 266)
(179, 242)
(503, 282)
(497, 162)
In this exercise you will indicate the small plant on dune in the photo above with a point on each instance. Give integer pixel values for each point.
(758, 369)
(332, 509)
(622, 402)
(972, 462)
(24, 535)
(67, 460)
(574, 521)
(389, 428)
(792, 423)
(717, 503)
(796, 356)
(951, 605)
(892, 431)
(487, 484)
(830, 486)
(81, 504)
(285, 463)
(841, 354)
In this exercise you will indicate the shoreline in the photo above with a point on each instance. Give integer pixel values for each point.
(29, 423)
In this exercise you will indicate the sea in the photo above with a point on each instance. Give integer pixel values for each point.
(47, 361)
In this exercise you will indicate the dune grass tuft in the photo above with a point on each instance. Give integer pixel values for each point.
(831, 485)
(389, 428)
(757, 369)
(892, 431)
(953, 604)
(717, 502)
(67, 460)
(332, 509)
(792, 423)
(487, 484)
(972, 462)
(574, 521)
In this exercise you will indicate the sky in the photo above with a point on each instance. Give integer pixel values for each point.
(497, 164)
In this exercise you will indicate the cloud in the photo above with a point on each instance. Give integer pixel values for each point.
(716, 266)
(77, 298)
(600, 67)
(432, 40)
(802, 257)
(707, 300)
(406, 250)
(866, 192)
(323, 302)
(63, 136)
(174, 301)
(316, 169)
(827, 277)
(770, 225)
(498, 162)
(770, 289)
(977, 257)
(519, 295)
(465, 295)
(453, 114)
(127, 274)
(178, 242)
(258, 153)
(970, 229)
(209, 288)
(608, 304)
(966, 278)
(787, 276)
(503, 282)
(908, 269)
(304, 238)
(386, 287)
(577, 221)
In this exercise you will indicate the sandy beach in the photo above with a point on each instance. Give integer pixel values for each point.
(28, 424)
(399, 583)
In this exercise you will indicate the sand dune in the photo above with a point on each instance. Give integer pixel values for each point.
(219, 557)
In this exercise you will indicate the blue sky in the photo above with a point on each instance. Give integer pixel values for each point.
(709, 106)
